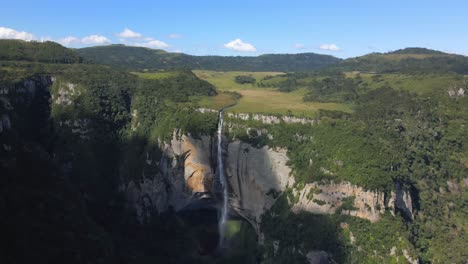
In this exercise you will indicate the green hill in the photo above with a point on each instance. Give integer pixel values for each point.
(138, 58)
(409, 60)
(48, 51)
(416, 50)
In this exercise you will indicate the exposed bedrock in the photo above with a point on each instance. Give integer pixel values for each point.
(256, 177)
(184, 175)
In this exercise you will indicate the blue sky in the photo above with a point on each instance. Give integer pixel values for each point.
(340, 28)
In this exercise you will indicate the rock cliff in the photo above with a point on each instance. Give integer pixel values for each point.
(330, 198)
(184, 173)
(265, 119)
(256, 177)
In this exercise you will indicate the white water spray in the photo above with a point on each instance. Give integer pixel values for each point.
(222, 180)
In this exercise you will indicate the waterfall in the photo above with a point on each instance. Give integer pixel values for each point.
(222, 180)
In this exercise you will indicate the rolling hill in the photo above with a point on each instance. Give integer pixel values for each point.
(407, 60)
(138, 58)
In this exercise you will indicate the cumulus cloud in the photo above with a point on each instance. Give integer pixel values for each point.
(128, 33)
(69, 40)
(239, 45)
(154, 44)
(132, 38)
(8, 33)
(329, 47)
(174, 36)
(95, 39)
(88, 40)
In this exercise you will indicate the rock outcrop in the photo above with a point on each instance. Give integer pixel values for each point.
(256, 177)
(456, 92)
(327, 198)
(28, 97)
(265, 119)
(401, 200)
(66, 93)
(184, 173)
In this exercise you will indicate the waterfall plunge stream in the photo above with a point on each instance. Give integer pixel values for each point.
(222, 180)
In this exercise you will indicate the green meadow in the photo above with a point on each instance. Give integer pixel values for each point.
(265, 100)
(420, 83)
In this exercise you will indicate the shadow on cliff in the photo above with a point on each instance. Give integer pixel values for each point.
(287, 234)
(61, 200)
(257, 175)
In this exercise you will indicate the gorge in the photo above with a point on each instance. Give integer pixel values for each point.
(101, 165)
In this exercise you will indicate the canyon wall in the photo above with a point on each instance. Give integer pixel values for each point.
(184, 175)
(257, 176)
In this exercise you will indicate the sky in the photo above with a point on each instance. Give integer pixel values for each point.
(246, 28)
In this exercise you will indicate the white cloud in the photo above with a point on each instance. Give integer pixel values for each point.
(95, 39)
(92, 39)
(299, 46)
(153, 43)
(69, 40)
(128, 33)
(174, 36)
(132, 38)
(8, 33)
(239, 45)
(330, 47)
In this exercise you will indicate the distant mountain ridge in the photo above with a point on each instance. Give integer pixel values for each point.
(407, 60)
(416, 50)
(138, 58)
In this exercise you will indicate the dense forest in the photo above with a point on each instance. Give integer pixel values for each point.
(138, 58)
(37, 51)
(410, 60)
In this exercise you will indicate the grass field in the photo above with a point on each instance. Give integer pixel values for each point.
(421, 84)
(224, 81)
(217, 102)
(260, 100)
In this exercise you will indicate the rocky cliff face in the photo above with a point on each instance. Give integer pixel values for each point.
(327, 198)
(265, 119)
(320, 198)
(256, 177)
(24, 110)
(185, 174)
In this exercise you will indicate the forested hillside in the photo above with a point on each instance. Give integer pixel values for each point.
(48, 51)
(410, 60)
(138, 58)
